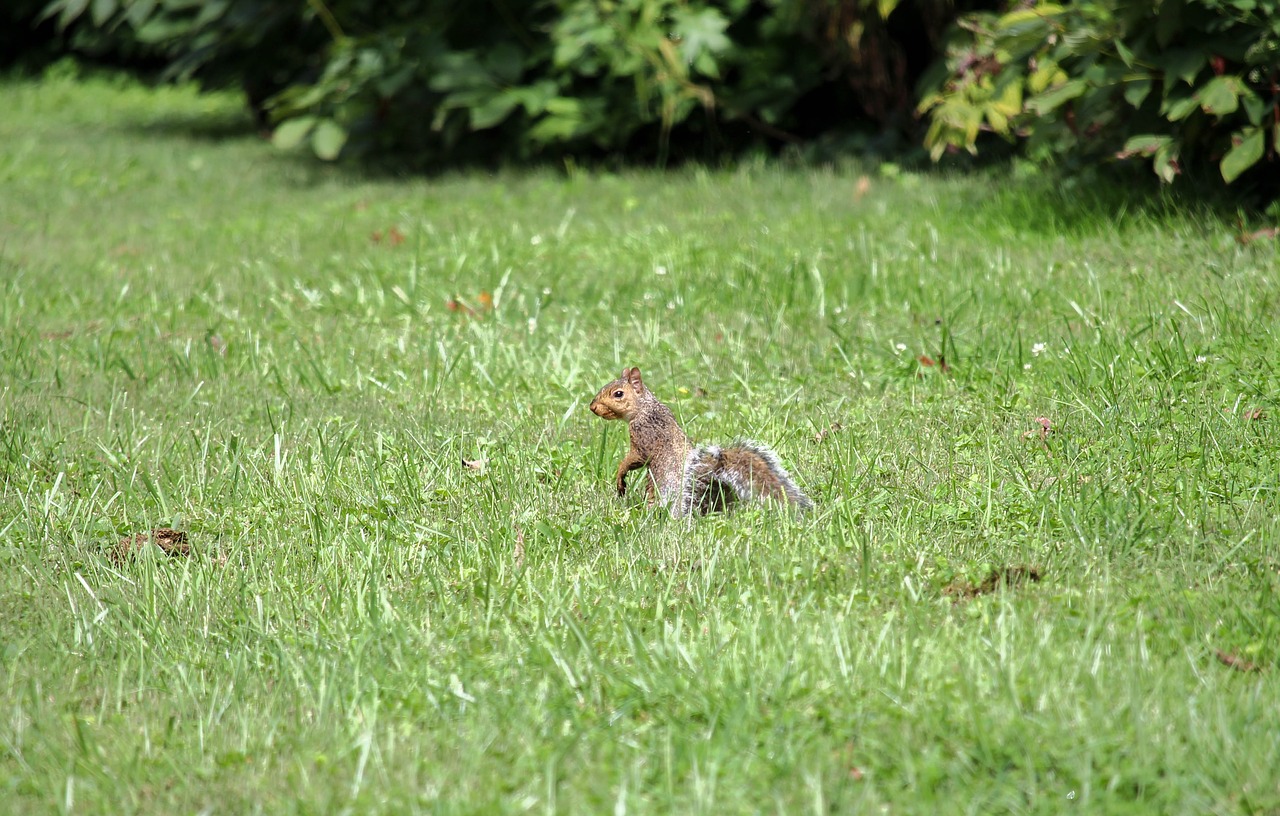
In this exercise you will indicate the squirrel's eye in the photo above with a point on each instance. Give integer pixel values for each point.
(617, 394)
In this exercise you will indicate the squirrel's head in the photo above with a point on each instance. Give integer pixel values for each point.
(618, 399)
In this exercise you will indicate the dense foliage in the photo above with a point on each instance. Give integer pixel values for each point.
(436, 78)
(1177, 82)
(1184, 84)
(23, 40)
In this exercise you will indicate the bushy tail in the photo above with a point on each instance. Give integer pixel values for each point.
(715, 478)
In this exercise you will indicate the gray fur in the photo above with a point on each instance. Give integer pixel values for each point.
(706, 474)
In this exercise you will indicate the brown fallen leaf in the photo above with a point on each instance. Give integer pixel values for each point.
(1004, 577)
(1253, 413)
(519, 548)
(928, 362)
(1247, 238)
(861, 188)
(172, 543)
(825, 432)
(1235, 662)
(456, 305)
(484, 302)
(393, 236)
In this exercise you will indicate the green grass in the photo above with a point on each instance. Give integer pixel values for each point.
(201, 332)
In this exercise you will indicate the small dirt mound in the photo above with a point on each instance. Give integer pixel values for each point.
(1002, 578)
(172, 543)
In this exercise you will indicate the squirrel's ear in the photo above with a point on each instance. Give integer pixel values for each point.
(632, 375)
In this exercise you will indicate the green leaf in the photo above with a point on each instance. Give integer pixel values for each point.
(1126, 56)
(1135, 92)
(394, 82)
(71, 9)
(1254, 108)
(1043, 76)
(1166, 162)
(291, 133)
(700, 32)
(457, 70)
(139, 11)
(1182, 63)
(1043, 103)
(102, 10)
(493, 110)
(1218, 96)
(210, 10)
(1144, 145)
(1019, 18)
(1004, 107)
(328, 139)
(1169, 22)
(536, 97)
(564, 120)
(1163, 149)
(555, 129)
(505, 63)
(1179, 109)
(886, 7)
(1245, 154)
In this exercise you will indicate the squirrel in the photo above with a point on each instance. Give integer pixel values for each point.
(685, 478)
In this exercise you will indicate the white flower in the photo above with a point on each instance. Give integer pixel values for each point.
(900, 346)
(535, 240)
(1036, 349)
(1200, 358)
(1026, 366)
(659, 270)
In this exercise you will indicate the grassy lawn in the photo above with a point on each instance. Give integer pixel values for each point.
(290, 361)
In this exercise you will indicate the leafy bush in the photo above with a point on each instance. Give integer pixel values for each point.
(445, 79)
(261, 46)
(1176, 82)
(24, 41)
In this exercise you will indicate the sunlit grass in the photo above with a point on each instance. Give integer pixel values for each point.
(290, 362)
